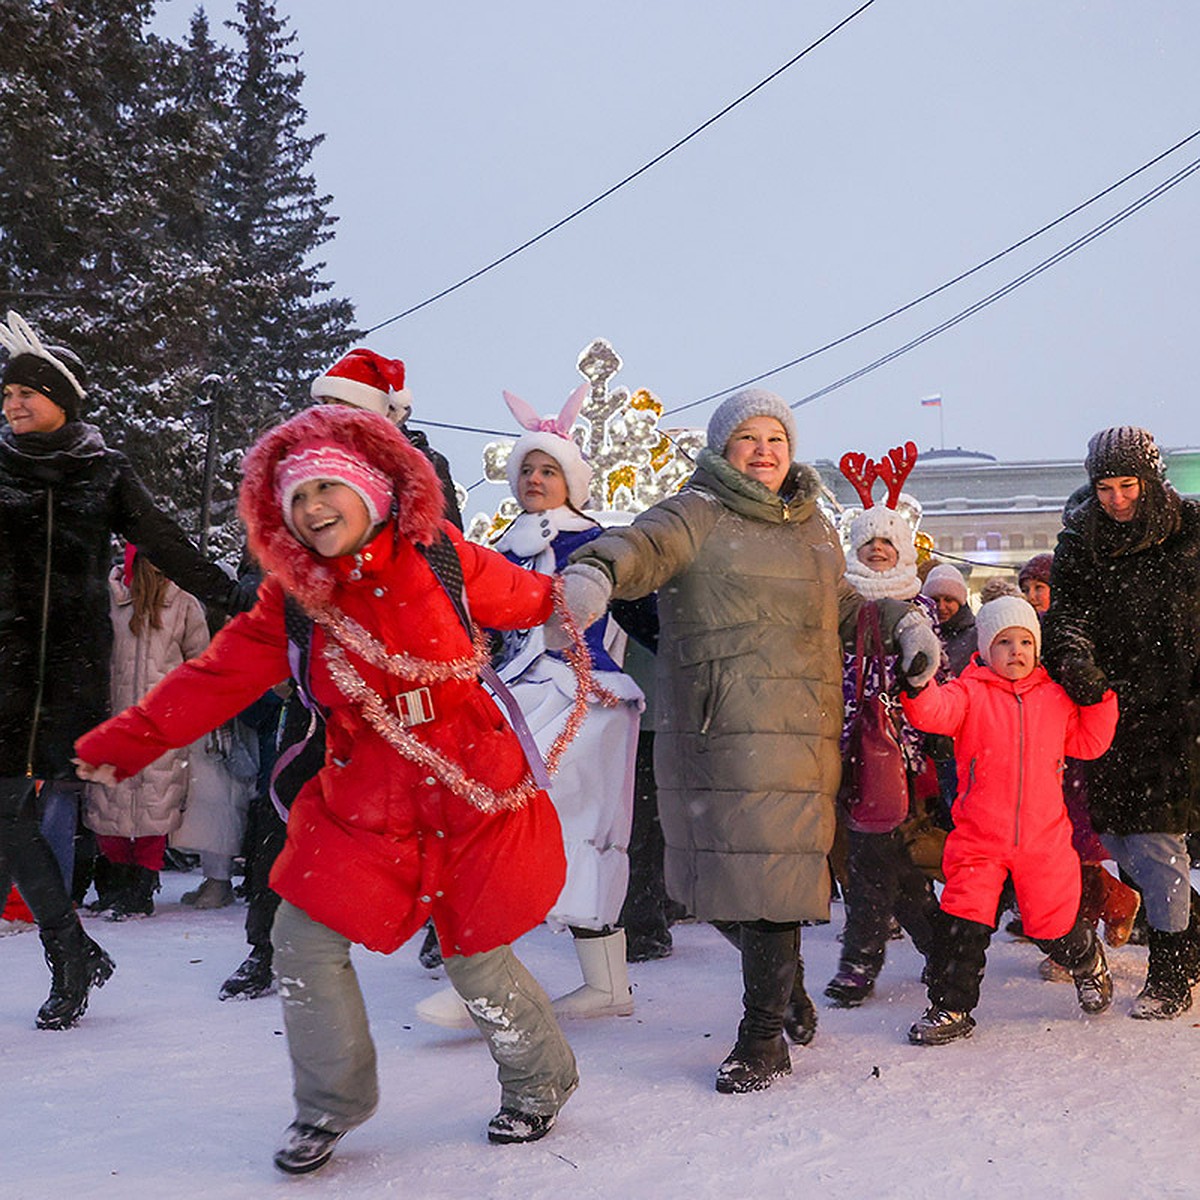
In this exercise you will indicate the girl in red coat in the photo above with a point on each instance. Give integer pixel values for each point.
(426, 806)
(1012, 726)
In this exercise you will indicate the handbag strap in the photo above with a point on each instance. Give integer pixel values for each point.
(868, 640)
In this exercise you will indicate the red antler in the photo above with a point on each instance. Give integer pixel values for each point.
(894, 468)
(861, 472)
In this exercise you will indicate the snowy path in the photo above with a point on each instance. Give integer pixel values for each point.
(163, 1092)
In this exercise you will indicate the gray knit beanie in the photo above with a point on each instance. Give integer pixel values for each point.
(741, 406)
(1123, 450)
(945, 580)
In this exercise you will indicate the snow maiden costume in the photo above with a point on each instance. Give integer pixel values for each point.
(592, 788)
(425, 806)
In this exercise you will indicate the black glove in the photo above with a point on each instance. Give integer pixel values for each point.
(1082, 680)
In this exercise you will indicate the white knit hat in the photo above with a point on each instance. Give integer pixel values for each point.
(1006, 612)
(900, 582)
(945, 580)
(741, 406)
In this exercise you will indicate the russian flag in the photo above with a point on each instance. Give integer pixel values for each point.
(931, 401)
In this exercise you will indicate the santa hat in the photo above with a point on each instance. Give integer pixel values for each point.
(367, 380)
(1006, 612)
(945, 580)
(552, 436)
(323, 458)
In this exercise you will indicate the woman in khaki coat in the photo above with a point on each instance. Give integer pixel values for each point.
(753, 609)
(156, 626)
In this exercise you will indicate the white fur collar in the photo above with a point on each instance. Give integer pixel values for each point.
(531, 533)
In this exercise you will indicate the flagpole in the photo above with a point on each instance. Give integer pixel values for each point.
(935, 401)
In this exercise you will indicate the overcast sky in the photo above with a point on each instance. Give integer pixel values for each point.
(923, 138)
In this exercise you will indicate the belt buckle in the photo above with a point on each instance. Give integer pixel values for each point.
(415, 707)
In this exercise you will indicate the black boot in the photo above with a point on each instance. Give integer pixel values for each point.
(769, 956)
(137, 899)
(430, 953)
(252, 979)
(110, 879)
(800, 1016)
(76, 964)
(1167, 993)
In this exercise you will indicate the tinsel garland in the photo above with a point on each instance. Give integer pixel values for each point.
(344, 632)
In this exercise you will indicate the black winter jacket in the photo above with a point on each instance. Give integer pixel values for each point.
(1136, 617)
(62, 497)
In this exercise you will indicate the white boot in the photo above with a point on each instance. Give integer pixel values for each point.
(606, 991)
(445, 1008)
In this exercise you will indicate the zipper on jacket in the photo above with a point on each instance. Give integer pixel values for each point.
(1020, 768)
(41, 662)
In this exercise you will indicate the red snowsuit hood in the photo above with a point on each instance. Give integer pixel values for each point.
(417, 494)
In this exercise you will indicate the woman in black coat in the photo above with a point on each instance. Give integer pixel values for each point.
(1125, 612)
(63, 494)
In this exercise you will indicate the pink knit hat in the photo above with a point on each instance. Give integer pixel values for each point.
(326, 459)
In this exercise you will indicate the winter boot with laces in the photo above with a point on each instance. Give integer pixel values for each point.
(252, 979)
(77, 964)
(937, 1026)
(1167, 993)
(1093, 983)
(306, 1148)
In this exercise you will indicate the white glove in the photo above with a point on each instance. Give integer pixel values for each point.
(920, 649)
(586, 593)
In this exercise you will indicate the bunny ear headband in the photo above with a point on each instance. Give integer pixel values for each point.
(552, 436)
(18, 338)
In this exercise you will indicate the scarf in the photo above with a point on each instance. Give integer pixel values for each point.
(50, 458)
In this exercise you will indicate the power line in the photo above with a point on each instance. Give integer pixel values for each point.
(987, 262)
(628, 178)
(999, 293)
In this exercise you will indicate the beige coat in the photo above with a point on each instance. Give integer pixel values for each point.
(151, 802)
(749, 686)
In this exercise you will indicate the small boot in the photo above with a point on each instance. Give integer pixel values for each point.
(137, 899)
(937, 1026)
(111, 880)
(1119, 905)
(430, 953)
(605, 991)
(1167, 993)
(1094, 983)
(800, 1016)
(851, 986)
(77, 964)
(252, 979)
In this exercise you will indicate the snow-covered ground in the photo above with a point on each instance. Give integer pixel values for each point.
(163, 1092)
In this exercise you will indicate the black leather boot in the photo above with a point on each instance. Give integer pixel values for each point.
(770, 954)
(77, 964)
(1167, 992)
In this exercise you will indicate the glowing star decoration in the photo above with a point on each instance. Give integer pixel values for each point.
(635, 463)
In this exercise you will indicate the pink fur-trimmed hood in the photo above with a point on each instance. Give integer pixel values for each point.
(417, 492)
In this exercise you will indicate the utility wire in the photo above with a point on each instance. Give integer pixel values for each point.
(987, 262)
(992, 297)
(628, 178)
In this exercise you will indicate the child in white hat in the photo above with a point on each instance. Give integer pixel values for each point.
(1012, 726)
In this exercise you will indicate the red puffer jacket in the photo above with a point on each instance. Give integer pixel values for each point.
(1010, 741)
(375, 843)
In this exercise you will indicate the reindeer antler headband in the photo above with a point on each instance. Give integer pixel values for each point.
(893, 468)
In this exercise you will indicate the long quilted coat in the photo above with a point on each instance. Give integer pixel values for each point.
(375, 844)
(748, 678)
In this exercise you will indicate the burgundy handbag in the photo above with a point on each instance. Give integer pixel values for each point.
(874, 787)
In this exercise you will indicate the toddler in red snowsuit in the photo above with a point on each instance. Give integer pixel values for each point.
(1012, 726)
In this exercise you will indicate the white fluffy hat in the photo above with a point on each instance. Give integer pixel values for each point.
(552, 436)
(901, 582)
(1006, 612)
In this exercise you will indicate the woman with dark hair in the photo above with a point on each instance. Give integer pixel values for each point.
(63, 494)
(1125, 611)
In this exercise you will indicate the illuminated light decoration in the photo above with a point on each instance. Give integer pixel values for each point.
(634, 462)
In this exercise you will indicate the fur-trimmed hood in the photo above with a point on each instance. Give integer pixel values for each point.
(417, 495)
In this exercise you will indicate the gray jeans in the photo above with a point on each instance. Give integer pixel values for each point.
(334, 1072)
(1160, 865)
